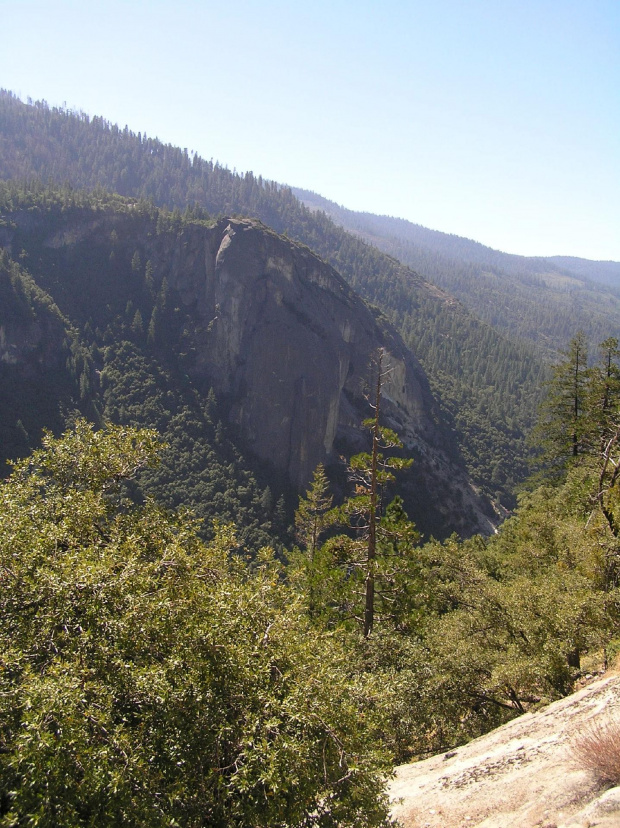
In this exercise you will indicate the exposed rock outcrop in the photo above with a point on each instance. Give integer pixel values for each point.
(522, 775)
(290, 345)
(280, 336)
(41, 364)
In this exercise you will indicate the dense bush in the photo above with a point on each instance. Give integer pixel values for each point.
(150, 679)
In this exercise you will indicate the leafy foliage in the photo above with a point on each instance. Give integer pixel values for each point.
(471, 633)
(149, 679)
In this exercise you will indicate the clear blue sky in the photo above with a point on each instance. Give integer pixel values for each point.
(492, 119)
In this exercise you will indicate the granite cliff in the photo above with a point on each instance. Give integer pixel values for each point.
(41, 362)
(274, 330)
(290, 345)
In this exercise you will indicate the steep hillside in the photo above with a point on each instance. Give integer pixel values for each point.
(543, 300)
(44, 368)
(607, 273)
(178, 307)
(485, 383)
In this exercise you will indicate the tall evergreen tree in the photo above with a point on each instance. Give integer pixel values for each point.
(603, 399)
(313, 517)
(562, 425)
(370, 473)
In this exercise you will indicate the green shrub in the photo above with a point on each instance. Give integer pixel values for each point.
(148, 678)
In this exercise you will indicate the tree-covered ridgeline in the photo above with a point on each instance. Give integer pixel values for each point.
(542, 300)
(486, 382)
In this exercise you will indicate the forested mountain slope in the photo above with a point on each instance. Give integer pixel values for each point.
(607, 273)
(543, 300)
(487, 384)
(164, 311)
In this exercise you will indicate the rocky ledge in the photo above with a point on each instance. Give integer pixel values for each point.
(522, 775)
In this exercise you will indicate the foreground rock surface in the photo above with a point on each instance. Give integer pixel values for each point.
(518, 776)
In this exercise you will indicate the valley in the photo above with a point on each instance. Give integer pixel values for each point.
(229, 598)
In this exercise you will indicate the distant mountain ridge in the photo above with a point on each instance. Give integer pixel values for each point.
(460, 247)
(605, 272)
(541, 299)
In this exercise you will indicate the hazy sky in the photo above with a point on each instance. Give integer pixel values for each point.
(491, 119)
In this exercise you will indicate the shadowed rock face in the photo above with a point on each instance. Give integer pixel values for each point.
(291, 346)
(279, 335)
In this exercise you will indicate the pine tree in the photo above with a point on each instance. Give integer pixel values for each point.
(370, 472)
(314, 513)
(137, 326)
(562, 425)
(314, 516)
(603, 398)
(148, 276)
